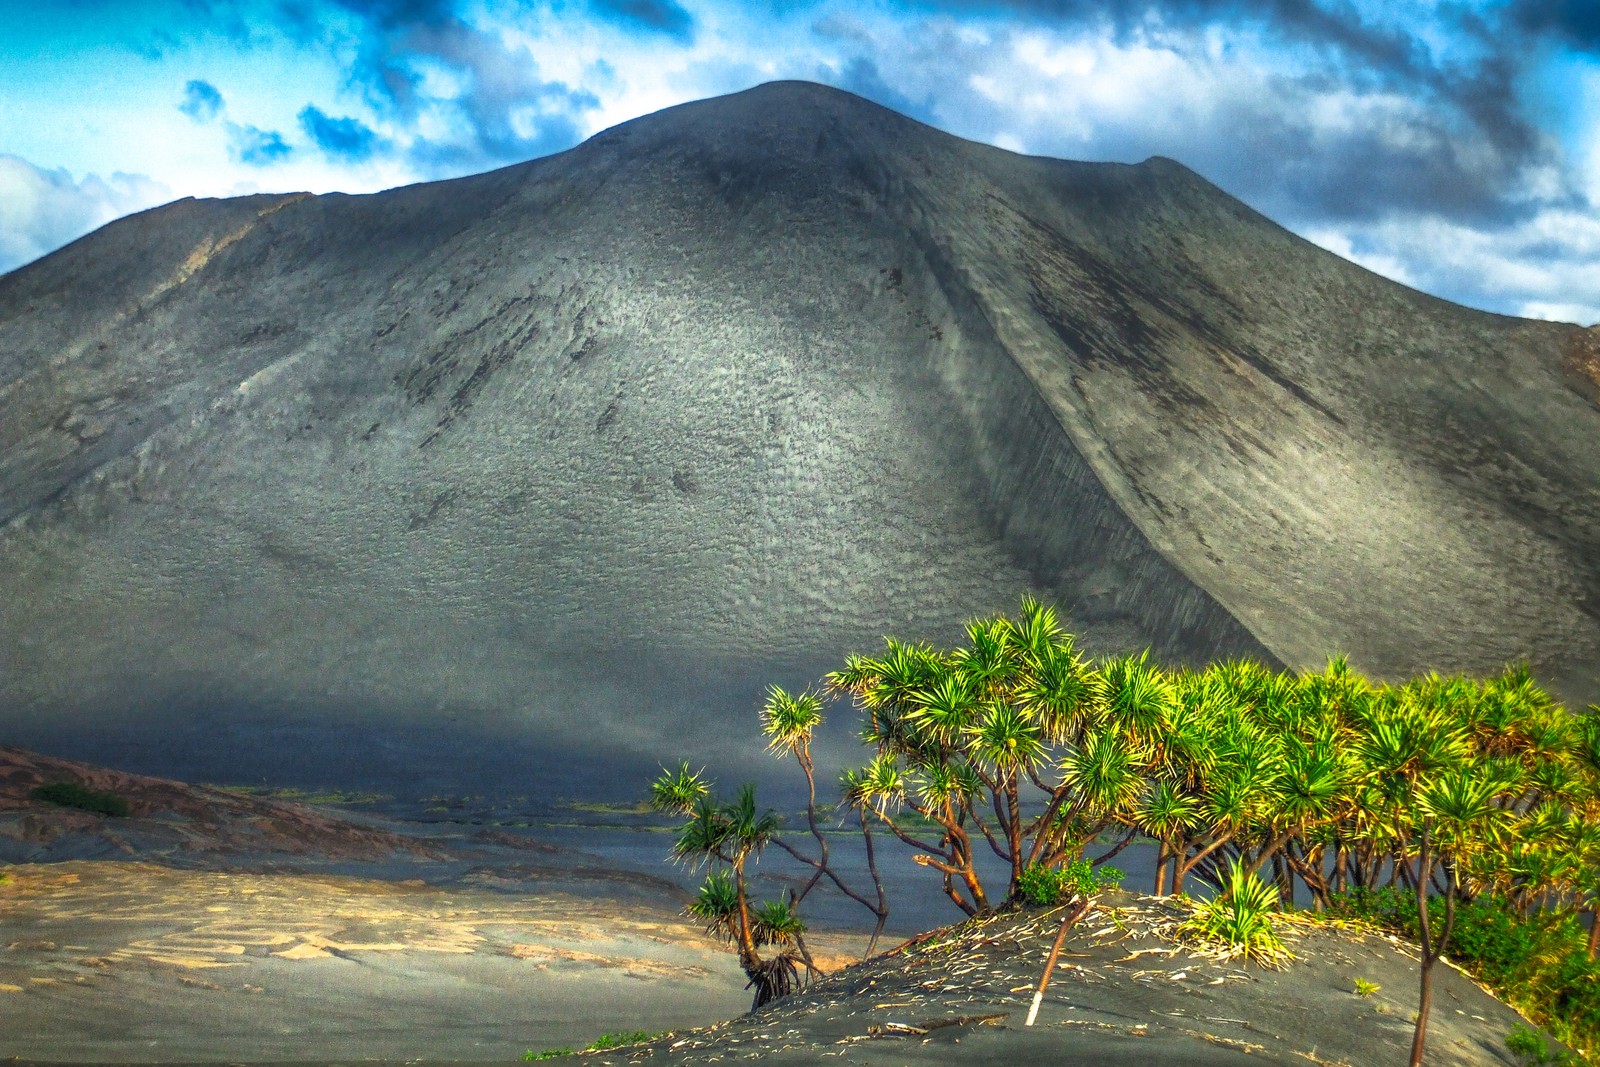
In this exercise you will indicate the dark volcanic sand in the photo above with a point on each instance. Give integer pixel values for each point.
(474, 947)
(103, 962)
(1119, 996)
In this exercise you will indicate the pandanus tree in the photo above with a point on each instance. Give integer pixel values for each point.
(1251, 772)
(985, 746)
(1437, 804)
(1461, 816)
(726, 836)
(1255, 779)
(789, 722)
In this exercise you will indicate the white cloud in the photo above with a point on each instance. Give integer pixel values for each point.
(1546, 267)
(41, 210)
(1340, 244)
(1380, 165)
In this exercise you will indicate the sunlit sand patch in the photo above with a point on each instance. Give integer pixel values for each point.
(541, 956)
(305, 951)
(198, 921)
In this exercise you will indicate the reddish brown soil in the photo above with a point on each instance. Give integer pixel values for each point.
(188, 819)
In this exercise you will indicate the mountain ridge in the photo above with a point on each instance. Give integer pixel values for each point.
(777, 372)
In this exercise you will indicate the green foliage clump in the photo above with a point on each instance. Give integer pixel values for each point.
(1240, 919)
(1365, 988)
(77, 795)
(603, 1043)
(1057, 885)
(1014, 742)
(618, 1040)
(1533, 1051)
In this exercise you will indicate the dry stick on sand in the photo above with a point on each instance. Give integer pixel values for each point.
(1055, 950)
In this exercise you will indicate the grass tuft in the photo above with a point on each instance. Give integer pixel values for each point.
(79, 796)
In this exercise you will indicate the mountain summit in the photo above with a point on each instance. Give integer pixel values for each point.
(581, 453)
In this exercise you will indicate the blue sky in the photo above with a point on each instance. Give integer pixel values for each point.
(1451, 145)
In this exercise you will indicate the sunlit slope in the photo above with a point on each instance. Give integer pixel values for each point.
(592, 447)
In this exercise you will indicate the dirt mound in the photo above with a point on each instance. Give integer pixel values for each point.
(1124, 992)
(168, 818)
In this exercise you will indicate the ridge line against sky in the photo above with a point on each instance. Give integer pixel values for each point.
(1451, 145)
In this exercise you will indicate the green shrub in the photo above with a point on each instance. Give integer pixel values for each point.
(1055, 885)
(1240, 918)
(1532, 1050)
(77, 795)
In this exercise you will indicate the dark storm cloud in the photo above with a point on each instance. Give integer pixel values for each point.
(201, 101)
(1338, 26)
(510, 111)
(341, 138)
(1268, 149)
(658, 16)
(862, 77)
(505, 110)
(1574, 22)
(257, 148)
(1466, 147)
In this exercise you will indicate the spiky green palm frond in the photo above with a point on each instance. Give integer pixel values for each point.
(941, 782)
(1314, 786)
(1137, 697)
(716, 904)
(945, 711)
(705, 835)
(1407, 737)
(750, 829)
(1037, 628)
(852, 679)
(774, 922)
(1005, 739)
(989, 662)
(1461, 806)
(1059, 692)
(789, 720)
(1104, 773)
(880, 785)
(679, 791)
(1165, 812)
(1239, 920)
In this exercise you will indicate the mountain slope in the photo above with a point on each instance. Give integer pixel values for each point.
(587, 450)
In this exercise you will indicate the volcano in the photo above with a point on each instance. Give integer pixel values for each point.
(565, 462)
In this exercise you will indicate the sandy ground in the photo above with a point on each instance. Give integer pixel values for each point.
(133, 962)
(1124, 993)
(252, 931)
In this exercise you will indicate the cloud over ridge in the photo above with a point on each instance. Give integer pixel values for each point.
(1365, 124)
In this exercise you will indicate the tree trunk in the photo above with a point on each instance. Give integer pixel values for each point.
(1161, 872)
(1424, 1004)
(1594, 929)
(1013, 830)
(1280, 871)
(1431, 948)
(1190, 864)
